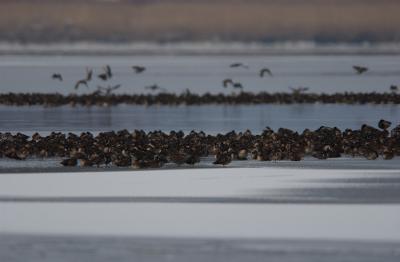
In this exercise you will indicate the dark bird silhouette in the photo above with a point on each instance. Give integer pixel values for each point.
(222, 159)
(138, 69)
(227, 82)
(103, 76)
(298, 90)
(237, 85)
(81, 82)
(384, 124)
(235, 65)
(394, 88)
(360, 69)
(154, 87)
(89, 73)
(265, 71)
(57, 76)
(108, 71)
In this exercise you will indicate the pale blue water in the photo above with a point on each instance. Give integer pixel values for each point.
(210, 118)
(322, 73)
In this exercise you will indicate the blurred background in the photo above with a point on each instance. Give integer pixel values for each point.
(322, 21)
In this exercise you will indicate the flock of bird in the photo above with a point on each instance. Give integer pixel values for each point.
(226, 83)
(106, 75)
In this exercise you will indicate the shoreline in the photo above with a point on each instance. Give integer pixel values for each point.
(200, 48)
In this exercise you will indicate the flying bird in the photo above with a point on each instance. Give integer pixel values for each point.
(237, 85)
(103, 76)
(227, 82)
(138, 69)
(360, 69)
(154, 87)
(57, 76)
(81, 82)
(265, 71)
(108, 89)
(89, 73)
(394, 88)
(299, 90)
(235, 65)
(108, 71)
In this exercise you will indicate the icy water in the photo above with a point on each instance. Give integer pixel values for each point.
(210, 118)
(200, 74)
(225, 214)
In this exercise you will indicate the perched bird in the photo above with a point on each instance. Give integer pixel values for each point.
(138, 69)
(227, 82)
(384, 124)
(299, 90)
(235, 65)
(360, 69)
(69, 162)
(57, 76)
(264, 71)
(222, 159)
(89, 73)
(81, 82)
(394, 88)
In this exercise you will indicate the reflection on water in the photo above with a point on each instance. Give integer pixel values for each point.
(209, 118)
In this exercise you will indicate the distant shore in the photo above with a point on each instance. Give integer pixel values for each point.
(199, 48)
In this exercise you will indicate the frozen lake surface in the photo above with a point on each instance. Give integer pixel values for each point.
(218, 214)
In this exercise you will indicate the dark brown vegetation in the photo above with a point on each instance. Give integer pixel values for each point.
(188, 98)
(139, 149)
(193, 20)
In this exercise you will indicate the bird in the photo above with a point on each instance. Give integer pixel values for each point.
(89, 73)
(107, 70)
(265, 70)
(384, 124)
(360, 69)
(154, 87)
(394, 88)
(138, 69)
(227, 82)
(299, 90)
(222, 159)
(108, 89)
(81, 82)
(57, 76)
(235, 65)
(103, 76)
(237, 85)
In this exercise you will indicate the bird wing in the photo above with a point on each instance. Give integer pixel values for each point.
(108, 71)
(80, 82)
(265, 70)
(226, 82)
(116, 87)
(89, 74)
